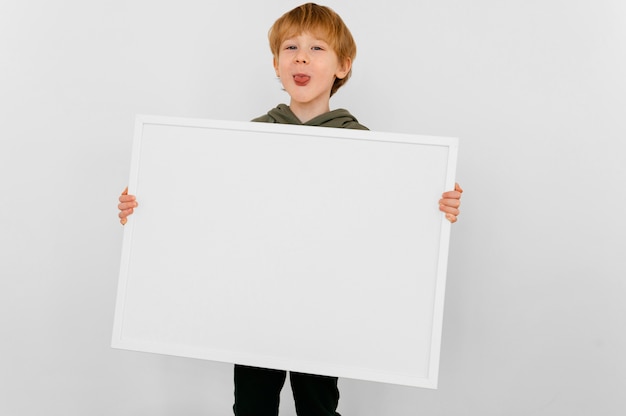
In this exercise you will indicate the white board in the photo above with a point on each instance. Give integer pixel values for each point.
(310, 249)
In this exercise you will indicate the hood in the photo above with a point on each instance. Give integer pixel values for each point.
(339, 118)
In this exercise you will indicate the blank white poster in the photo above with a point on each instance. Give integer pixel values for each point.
(310, 249)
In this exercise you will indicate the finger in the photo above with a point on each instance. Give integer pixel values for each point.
(456, 194)
(127, 205)
(449, 210)
(123, 221)
(125, 213)
(451, 195)
(450, 202)
(126, 198)
(451, 218)
(125, 192)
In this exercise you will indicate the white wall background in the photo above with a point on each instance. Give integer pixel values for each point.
(534, 321)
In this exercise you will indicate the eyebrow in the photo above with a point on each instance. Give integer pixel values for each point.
(314, 41)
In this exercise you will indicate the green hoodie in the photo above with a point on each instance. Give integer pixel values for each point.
(339, 118)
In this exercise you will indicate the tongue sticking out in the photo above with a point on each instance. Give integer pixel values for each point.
(301, 79)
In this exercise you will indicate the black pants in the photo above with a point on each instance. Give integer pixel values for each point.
(257, 392)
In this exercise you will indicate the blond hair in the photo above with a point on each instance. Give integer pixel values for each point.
(321, 21)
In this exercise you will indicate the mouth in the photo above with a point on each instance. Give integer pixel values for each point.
(301, 79)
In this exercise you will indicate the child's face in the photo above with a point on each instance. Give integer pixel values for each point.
(307, 67)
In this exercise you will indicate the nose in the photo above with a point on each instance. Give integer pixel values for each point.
(301, 57)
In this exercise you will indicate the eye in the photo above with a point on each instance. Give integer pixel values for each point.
(317, 48)
(291, 47)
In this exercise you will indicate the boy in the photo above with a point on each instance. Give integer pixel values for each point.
(313, 53)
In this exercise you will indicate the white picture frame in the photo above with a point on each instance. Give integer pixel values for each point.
(317, 250)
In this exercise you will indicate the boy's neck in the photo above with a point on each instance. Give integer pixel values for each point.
(308, 111)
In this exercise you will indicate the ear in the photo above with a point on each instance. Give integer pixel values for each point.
(275, 63)
(344, 68)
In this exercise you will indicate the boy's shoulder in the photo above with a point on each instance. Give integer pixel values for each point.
(265, 118)
(281, 114)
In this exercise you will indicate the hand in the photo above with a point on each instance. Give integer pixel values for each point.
(126, 206)
(450, 202)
